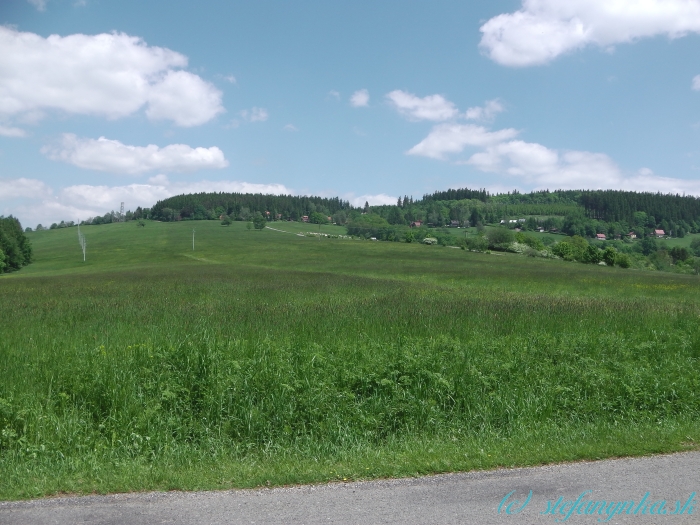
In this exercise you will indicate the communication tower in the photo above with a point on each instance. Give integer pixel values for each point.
(121, 213)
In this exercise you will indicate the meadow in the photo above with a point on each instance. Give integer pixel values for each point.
(265, 358)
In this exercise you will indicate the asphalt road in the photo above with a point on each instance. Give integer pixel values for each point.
(477, 497)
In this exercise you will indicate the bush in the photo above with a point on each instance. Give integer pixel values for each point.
(500, 238)
(478, 244)
(529, 240)
(430, 240)
(592, 255)
(259, 221)
(623, 260)
(609, 256)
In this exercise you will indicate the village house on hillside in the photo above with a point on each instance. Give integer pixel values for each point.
(659, 233)
(416, 224)
(600, 236)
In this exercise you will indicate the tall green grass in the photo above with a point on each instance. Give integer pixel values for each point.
(267, 357)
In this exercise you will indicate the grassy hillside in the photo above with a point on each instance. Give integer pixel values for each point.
(268, 357)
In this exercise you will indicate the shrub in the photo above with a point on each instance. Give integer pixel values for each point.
(695, 246)
(500, 238)
(623, 260)
(479, 243)
(609, 256)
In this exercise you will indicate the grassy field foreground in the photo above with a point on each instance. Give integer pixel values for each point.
(264, 357)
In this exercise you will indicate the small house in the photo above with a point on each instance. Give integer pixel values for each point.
(632, 235)
(659, 233)
(600, 236)
(304, 218)
(416, 224)
(454, 224)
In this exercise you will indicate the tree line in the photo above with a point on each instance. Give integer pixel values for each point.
(243, 206)
(15, 248)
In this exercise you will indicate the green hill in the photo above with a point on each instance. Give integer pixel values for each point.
(275, 357)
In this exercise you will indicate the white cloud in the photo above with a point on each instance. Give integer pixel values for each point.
(254, 114)
(183, 98)
(541, 30)
(432, 107)
(453, 138)
(39, 4)
(360, 99)
(110, 75)
(9, 131)
(373, 200)
(696, 82)
(231, 79)
(334, 94)
(111, 155)
(22, 188)
(33, 202)
(546, 168)
(538, 167)
(290, 127)
(486, 112)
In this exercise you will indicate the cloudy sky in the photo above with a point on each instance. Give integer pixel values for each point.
(104, 101)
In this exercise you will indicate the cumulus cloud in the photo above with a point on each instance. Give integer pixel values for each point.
(486, 112)
(544, 167)
(109, 75)
(360, 99)
(34, 202)
(20, 188)
(254, 114)
(432, 107)
(541, 30)
(539, 167)
(111, 155)
(453, 138)
(184, 98)
(379, 199)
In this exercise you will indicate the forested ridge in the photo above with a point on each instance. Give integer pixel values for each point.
(607, 205)
(242, 205)
(573, 212)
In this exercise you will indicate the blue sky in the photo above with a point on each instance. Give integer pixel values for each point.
(103, 102)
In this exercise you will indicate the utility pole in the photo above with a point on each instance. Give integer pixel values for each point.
(82, 241)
